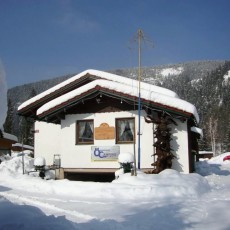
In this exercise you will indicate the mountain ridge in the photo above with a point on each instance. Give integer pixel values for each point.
(189, 80)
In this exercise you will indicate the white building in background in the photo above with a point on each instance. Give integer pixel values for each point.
(92, 117)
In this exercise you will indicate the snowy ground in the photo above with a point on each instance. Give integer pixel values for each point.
(169, 200)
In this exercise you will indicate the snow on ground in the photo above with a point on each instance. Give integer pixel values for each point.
(169, 200)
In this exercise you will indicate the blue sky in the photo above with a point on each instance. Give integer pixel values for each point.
(42, 39)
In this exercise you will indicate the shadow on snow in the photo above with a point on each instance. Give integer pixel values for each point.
(28, 217)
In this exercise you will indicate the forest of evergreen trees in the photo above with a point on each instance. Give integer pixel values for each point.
(205, 84)
(211, 96)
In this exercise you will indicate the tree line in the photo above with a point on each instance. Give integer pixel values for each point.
(209, 91)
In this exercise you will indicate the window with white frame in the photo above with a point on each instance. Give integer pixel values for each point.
(125, 130)
(84, 132)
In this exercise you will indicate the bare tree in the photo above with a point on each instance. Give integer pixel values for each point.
(212, 131)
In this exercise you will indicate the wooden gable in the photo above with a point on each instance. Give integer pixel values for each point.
(30, 110)
(101, 99)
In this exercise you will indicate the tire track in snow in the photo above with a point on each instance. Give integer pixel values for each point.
(19, 199)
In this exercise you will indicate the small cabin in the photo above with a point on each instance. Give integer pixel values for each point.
(19, 147)
(6, 142)
(94, 116)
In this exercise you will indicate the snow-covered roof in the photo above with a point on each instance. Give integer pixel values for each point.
(146, 94)
(9, 136)
(103, 75)
(73, 89)
(197, 130)
(23, 146)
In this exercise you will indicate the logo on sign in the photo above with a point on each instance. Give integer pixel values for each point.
(105, 153)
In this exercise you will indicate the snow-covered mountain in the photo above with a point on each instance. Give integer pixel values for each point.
(206, 84)
(159, 74)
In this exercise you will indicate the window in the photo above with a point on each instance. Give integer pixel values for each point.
(84, 132)
(125, 130)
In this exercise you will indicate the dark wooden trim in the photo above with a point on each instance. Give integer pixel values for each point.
(96, 170)
(116, 128)
(91, 170)
(30, 109)
(77, 142)
(191, 151)
(113, 93)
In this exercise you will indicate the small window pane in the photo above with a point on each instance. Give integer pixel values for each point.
(85, 133)
(125, 130)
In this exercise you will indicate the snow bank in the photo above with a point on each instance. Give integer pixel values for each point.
(13, 166)
(215, 165)
(169, 183)
(169, 200)
(219, 159)
(166, 184)
(26, 217)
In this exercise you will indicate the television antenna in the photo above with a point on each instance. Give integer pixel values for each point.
(139, 37)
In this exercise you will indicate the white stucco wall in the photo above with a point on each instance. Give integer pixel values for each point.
(61, 139)
(47, 140)
(79, 156)
(179, 144)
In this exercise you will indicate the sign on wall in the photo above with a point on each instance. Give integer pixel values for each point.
(105, 153)
(104, 132)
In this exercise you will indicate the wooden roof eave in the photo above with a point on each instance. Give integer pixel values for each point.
(26, 111)
(98, 89)
(69, 103)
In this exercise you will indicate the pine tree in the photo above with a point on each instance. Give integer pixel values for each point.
(9, 118)
(26, 126)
